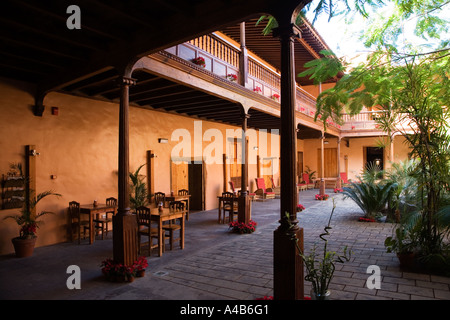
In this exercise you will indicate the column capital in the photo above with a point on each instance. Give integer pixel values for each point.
(128, 81)
(289, 30)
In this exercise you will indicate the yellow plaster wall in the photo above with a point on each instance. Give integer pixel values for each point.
(80, 147)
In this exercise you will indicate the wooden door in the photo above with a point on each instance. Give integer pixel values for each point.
(330, 162)
(179, 176)
(299, 165)
(236, 163)
(196, 187)
(267, 171)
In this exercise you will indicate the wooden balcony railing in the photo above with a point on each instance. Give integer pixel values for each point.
(222, 59)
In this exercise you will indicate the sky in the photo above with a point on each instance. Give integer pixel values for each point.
(344, 39)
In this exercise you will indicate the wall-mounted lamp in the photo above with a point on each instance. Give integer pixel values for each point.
(255, 148)
(34, 153)
(377, 162)
(326, 142)
(163, 140)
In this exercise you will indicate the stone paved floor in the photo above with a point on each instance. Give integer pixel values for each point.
(218, 265)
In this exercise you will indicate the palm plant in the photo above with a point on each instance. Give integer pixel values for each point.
(138, 192)
(372, 198)
(27, 220)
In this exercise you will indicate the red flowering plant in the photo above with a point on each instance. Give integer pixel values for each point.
(200, 61)
(139, 266)
(362, 219)
(257, 90)
(275, 96)
(322, 197)
(27, 220)
(241, 227)
(232, 77)
(337, 190)
(300, 208)
(117, 272)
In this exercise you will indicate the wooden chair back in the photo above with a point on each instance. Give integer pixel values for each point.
(74, 210)
(227, 194)
(143, 216)
(177, 205)
(183, 192)
(111, 201)
(159, 197)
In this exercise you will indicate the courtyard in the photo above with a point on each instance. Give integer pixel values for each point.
(219, 265)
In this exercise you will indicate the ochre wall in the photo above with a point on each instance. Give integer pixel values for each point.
(80, 147)
(354, 153)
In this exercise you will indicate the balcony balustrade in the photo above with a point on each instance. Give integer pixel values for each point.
(222, 58)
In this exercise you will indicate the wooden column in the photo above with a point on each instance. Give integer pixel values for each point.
(150, 174)
(338, 182)
(30, 174)
(322, 165)
(391, 150)
(243, 58)
(124, 223)
(288, 265)
(244, 199)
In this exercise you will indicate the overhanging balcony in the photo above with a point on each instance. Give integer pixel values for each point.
(221, 57)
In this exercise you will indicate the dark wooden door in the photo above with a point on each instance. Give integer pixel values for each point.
(196, 186)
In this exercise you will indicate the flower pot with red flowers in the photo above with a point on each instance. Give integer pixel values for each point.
(29, 223)
(322, 197)
(139, 266)
(200, 61)
(232, 77)
(241, 227)
(300, 208)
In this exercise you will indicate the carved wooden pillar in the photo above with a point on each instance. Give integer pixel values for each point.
(243, 58)
(338, 182)
(124, 223)
(244, 199)
(322, 165)
(288, 265)
(391, 150)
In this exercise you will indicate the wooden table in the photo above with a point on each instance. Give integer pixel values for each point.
(166, 215)
(92, 211)
(221, 199)
(181, 198)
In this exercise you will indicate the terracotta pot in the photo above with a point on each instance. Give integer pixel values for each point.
(24, 247)
(407, 260)
(140, 273)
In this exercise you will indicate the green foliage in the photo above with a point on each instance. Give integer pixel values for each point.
(27, 220)
(320, 267)
(138, 192)
(323, 69)
(371, 197)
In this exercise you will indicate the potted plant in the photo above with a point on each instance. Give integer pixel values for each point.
(320, 266)
(139, 266)
(241, 227)
(200, 61)
(404, 245)
(28, 222)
